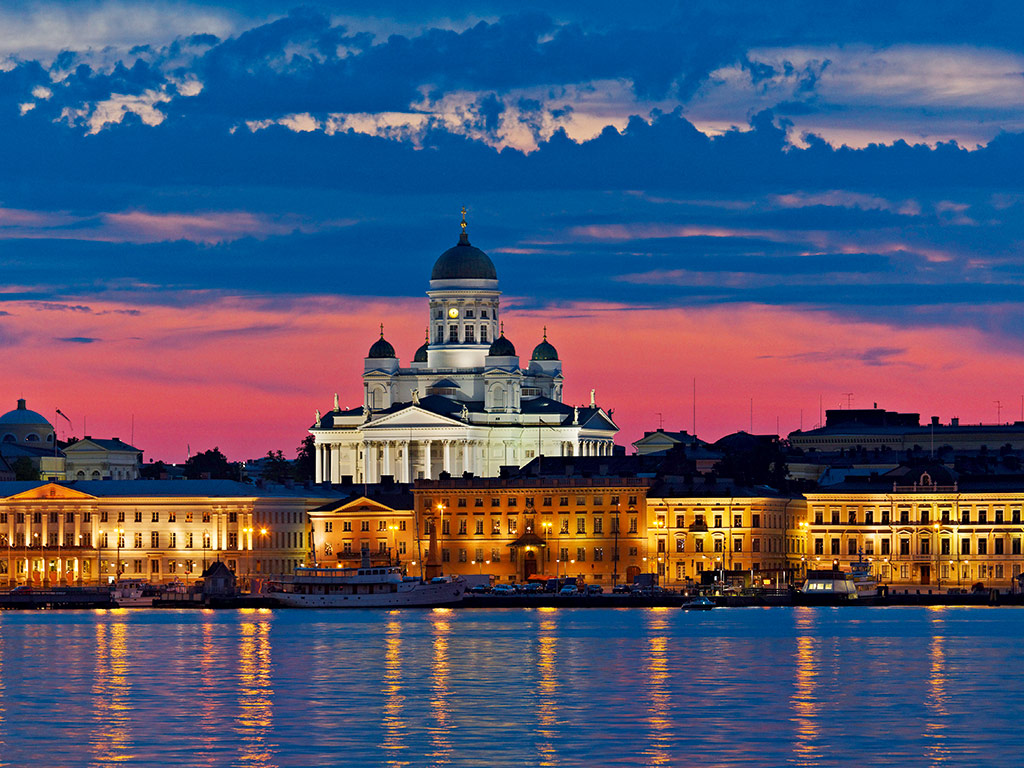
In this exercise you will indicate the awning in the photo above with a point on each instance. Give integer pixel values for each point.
(529, 539)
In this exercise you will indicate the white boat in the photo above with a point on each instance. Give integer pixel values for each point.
(700, 603)
(131, 593)
(364, 587)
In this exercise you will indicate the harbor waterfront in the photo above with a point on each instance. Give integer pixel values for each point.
(510, 687)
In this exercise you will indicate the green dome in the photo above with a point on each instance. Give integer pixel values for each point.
(463, 262)
(501, 347)
(381, 347)
(544, 351)
(421, 354)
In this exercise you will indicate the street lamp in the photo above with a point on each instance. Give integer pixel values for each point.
(938, 567)
(394, 543)
(247, 543)
(117, 566)
(547, 532)
(615, 549)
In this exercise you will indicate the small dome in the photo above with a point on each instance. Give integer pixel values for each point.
(22, 415)
(463, 262)
(421, 354)
(544, 351)
(381, 347)
(501, 347)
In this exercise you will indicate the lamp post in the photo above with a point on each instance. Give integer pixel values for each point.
(248, 552)
(394, 542)
(547, 532)
(117, 565)
(615, 549)
(938, 576)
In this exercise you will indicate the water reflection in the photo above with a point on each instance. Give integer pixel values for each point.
(440, 707)
(937, 697)
(804, 700)
(111, 737)
(656, 678)
(3, 698)
(547, 692)
(394, 700)
(255, 693)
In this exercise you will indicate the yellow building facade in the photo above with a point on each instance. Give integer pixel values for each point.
(921, 534)
(165, 531)
(382, 524)
(595, 529)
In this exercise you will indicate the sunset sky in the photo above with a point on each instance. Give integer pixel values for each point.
(206, 209)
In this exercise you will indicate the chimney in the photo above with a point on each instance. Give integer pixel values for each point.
(955, 421)
(935, 421)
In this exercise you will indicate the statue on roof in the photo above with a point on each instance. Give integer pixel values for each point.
(317, 417)
(366, 412)
(336, 406)
(575, 414)
(593, 401)
(415, 397)
(464, 413)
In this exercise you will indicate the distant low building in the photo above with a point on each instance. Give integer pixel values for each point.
(94, 458)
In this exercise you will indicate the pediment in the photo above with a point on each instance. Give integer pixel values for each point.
(412, 417)
(600, 420)
(50, 491)
(363, 505)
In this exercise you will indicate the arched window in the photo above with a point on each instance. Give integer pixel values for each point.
(32, 437)
(80, 475)
(95, 474)
(9, 438)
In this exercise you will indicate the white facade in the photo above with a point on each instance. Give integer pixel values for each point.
(464, 404)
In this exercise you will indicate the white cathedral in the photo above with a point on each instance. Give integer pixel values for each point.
(464, 405)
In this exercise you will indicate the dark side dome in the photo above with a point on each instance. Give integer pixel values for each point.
(545, 350)
(421, 353)
(501, 347)
(381, 347)
(463, 261)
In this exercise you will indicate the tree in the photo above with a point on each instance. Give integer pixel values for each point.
(305, 460)
(153, 471)
(276, 468)
(24, 469)
(212, 463)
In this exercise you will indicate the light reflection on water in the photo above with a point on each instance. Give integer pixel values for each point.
(810, 686)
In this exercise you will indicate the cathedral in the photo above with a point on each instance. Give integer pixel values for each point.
(464, 404)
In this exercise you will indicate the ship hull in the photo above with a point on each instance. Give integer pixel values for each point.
(428, 595)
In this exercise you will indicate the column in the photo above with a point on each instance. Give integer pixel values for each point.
(467, 460)
(319, 469)
(427, 471)
(407, 461)
(446, 450)
(386, 469)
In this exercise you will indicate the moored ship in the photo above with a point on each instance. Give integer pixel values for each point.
(364, 587)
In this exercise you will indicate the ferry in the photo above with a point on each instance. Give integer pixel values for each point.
(132, 593)
(363, 587)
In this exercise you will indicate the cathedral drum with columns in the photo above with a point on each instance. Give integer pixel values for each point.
(464, 405)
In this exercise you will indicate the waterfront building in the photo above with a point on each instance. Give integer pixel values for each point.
(523, 527)
(921, 528)
(464, 404)
(160, 531)
(698, 526)
(378, 519)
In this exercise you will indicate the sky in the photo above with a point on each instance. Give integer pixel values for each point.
(207, 209)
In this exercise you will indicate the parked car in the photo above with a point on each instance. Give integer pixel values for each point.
(595, 589)
(503, 589)
(621, 589)
(533, 589)
(568, 589)
(479, 589)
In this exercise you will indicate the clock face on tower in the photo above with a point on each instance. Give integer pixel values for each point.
(453, 313)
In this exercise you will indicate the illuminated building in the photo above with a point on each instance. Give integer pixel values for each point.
(379, 520)
(523, 527)
(701, 527)
(159, 531)
(920, 528)
(464, 404)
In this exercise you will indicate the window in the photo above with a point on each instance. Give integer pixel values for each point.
(633, 551)
(446, 528)
(581, 525)
(737, 521)
(1014, 546)
(632, 525)
(446, 556)
(1016, 516)
(470, 314)
(206, 517)
(479, 530)
(982, 516)
(998, 546)
(470, 334)
(926, 547)
(680, 545)
(69, 517)
(364, 525)
(718, 545)
(925, 516)
(172, 517)
(401, 525)
(869, 517)
(120, 517)
(138, 540)
(698, 545)
(755, 545)
(819, 546)
(346, 526)
(495, 526)
(598, 554)
(188, 540)
(581, 501)
(965, 516)
(461, 502)
(718, 521)
(478, 502)
(944, 546)
(232, 541)
(886, 547)
(440, 332)
(632, 501)
(495, 555)
(346, 547)
(232, 517)
(904, 546)
(483, 329)
(965, 546)
(982, 546)
(328, 526)
(818, 519)
(479, 554)
(495, 501)
(755, 521)
(999, 515)
(172, 539)
(661, 545)
(885, 517)
(453, 334)
(154, 517)
(851, 517)
(462, 527)
(188, 517)
(680, 521)
(581, 554)
(513, 501)
(512, 526)
(546, 502)
(598, 526)
(382, 525)
(835, 516)
(206, 541)
(563, 501)
(154, 539)
(564, 525)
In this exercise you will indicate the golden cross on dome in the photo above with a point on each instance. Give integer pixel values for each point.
(426, 334)
(463, 219)
(382, 330)
(545, 333)
(502, 327)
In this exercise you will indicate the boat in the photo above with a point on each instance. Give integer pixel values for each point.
(700, 603)
(132, 593)
(827, 588)
(363, 587)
